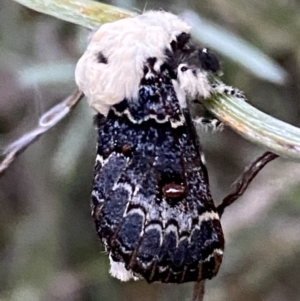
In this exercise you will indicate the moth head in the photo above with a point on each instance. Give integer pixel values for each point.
(208, 60)
(193, 72)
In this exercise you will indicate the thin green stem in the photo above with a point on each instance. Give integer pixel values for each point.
(86, 13)
(256, 126)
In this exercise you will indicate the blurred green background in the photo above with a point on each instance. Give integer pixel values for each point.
(48, 247)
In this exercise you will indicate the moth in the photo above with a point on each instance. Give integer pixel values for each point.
(151, 201)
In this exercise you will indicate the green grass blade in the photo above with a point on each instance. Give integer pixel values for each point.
(86, 13)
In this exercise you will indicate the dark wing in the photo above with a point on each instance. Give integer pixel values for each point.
(151, 201)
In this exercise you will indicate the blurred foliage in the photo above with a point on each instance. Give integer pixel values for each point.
(48, 247)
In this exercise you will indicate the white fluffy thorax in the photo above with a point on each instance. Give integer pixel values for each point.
(126, 44)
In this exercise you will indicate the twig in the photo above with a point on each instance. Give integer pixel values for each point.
(198, 291)
(46, 122)
(244, 181)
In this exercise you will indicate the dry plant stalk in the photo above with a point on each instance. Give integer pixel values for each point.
(46, 122)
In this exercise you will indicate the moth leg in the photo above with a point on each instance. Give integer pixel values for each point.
(228, 90)
(209, 122)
